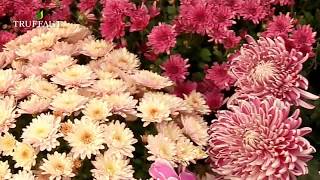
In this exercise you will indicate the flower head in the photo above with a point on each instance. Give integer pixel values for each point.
(4, 170)
(176, 68)
(280, 25)
(219, 74)
(24, 155)
(8, 113)
(196, 128)
(258, 139)
(97, 110)
(162, 38)
(160, 146)
(7, 144)
(151, 80)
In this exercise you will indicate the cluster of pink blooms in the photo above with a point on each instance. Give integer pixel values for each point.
(82, 106)
(257, 138)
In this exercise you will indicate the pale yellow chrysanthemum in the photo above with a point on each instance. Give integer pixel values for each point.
(57, 166)
(196, 128)
(43, 132)
(64, 48)
(105, 74)
(34, 105)
(24, 155)
(123, 59)
(7, 144)
(170, 130)
(7, 113)
(56, 64)
(122, 104)
(4, 170)
(8, 78)
(95, 48)
(109, 86)
(45, 89)
(197, 103)
(119, 138)
(21, 89)
(187, 152)
(75, 76)
(97, 110)
(111, 166)
(68, 102)
(23, 175)
(153, 109)
(160, 146)
(151, 80)
(43, 41)
(86, 138)
(69, 32)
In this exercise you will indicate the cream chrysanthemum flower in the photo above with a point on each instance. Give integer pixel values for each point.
(119, 138)
(57, 63)
(153, 109)
(197, 103)
(170, 130)
(8, 78)
(23, 175)
(122, 104)
(69, 32)
(45, 89)
(123, 59)
(57, 166)
(44, 40)
(43, 132)
(75, 76)
(85, 138)
(4, 170)
(24, 155)
(111, 166)
(34, 105)
(96, 48)
(97, 110)
(7, 113)
(160, 146)
(68, 102)
(109, 86)
(151, 80)
(187, 152)
(7, 144)
(21, 89)
(196, 128)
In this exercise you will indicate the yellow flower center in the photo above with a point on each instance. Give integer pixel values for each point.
(86, 138)
(263, 71)
(251, 138)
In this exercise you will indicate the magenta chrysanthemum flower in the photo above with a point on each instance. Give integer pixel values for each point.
(259, 140)
(186, 88)
(220, 76)
(139, 19)
(303, 36)
(112, 27)
(162, 38)
(176, 68)
(266, 67)
(253, 10)
(5, 37)
(214, 99)
(86, 5)
(279, 26)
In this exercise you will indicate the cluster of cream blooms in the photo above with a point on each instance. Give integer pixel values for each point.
(73, 95)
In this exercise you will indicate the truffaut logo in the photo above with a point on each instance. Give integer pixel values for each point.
(37, 23)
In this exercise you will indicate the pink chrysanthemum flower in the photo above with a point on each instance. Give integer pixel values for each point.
(8, 113)
(214, 99)
(176, 68)
(86, 5)
(279, 26)
(253, 10)
(112, 28)
(139, 19)
(220, 76)
(303, 36)
(5, 37)
(184, 88)
(265, 67)
(162, 38)
(259, 140)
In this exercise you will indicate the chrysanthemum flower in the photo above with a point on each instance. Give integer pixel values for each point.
(162, 38)
(119, 138)
(8, 113)
(21, 89)
(123, 104)
(266, 68)
(97, 110)
(8, 78)
(71, 33)
(197, 103)
(214, 99)
(58, 166)
(253, 10)
(23, 175)
(123, 60)
(196, 128)
(187, 152)
(176, 68)
(75, 76)
(112, 28)
(139, 18)
(184, 88)
(96, 48)
(151, 80)
(43, 88)
(5, 172)
(112, 166)
(170, 130)
(68, 102)
(303, 36)
(109, 86)
(57, 63)
(34, 105)
(280, 25)
(153, 109)
(160, 146)
(42, 132)
(7, 144)
(24, 155)
(85, 138)
(259, 140)
(219, 74)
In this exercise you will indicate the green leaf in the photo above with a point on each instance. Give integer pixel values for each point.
(39, 15)
(171, 10)
(205, 54)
